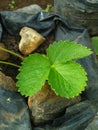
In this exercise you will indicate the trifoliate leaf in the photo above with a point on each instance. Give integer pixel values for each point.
(62, 51)
(33, 74)
(67, 80)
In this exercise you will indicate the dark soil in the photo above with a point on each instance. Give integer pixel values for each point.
(12, 42)
(4, 5)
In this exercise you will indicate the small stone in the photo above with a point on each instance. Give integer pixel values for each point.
(31, 9)
(3, 55)
(46, 105)
(30, 40)
(7, 82)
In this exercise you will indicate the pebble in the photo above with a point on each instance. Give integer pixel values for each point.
(30, 40)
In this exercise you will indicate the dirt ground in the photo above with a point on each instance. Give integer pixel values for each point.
(4, 5)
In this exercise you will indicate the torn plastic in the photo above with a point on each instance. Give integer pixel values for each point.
(45, 23)
(14, 21)
(42, 22)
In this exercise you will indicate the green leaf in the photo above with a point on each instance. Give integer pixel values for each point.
(95, 44)
(67, 80)
(33, 74)
(62, 51)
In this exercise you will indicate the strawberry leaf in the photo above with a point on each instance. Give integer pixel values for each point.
(33, 74)
(67, 80)
(63, 51)
(66, 77)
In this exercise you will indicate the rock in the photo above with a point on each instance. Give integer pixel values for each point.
(77, 117)
(83, 12)
(3, 55)
(31, 9)
(14, 114)
(45, 106)
(7, 82)
(30, 40)
(94, 124)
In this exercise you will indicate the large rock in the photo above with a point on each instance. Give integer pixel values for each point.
(45, 106)
(83, 12)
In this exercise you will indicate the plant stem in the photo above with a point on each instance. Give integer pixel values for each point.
(8, 63)
(13, 53)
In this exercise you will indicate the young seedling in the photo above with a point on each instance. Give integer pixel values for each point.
(12, 4)
(59, 67)
(48, 8)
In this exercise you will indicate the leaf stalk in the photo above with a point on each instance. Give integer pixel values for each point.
(9, 63)
(13, 53)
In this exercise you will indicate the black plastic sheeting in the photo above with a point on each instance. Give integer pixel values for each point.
(46, 23)
(42, 22)
(14, 113)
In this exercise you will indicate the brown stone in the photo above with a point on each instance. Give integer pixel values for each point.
(30, 40)
(7, 82)
(46, 105)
